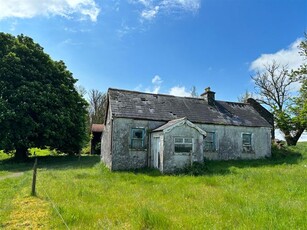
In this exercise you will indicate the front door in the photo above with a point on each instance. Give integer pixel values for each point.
(156, 152)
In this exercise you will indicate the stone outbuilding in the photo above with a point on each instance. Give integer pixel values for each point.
(96, 131)
(168, 132)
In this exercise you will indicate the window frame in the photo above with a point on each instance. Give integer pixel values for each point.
(213, 142)
(249, 145)
(183, 143)
(132, 139)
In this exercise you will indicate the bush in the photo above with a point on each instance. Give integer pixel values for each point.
(86, 149)
(195, 169)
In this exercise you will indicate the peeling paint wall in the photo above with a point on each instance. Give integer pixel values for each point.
(123, 157)
(228, 145)
(229, 142)
(106, 154)
(173, 160)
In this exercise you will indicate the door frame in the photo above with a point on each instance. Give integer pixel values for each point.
(156, 151)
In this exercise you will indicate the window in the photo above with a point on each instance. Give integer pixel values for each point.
(209, 142)
(247, 142)
(137, 138)
(183, 145)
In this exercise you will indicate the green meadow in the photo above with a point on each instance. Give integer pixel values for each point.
(80, 193)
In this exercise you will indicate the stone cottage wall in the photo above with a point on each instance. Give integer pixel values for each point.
(106, 155)
(123, 156)
(172, 160)
(229, 142)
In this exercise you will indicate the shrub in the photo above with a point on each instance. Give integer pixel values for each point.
(195, 169)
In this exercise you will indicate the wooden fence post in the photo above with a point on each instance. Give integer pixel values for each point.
(33, 193)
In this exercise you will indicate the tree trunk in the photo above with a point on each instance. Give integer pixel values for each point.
(292, 140)
(21, 154)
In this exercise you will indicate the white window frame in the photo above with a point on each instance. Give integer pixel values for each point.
(250, 146)
(184, 142)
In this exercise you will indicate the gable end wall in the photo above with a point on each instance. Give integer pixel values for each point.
(106, 141)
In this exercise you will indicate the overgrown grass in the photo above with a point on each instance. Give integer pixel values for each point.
(256, 194)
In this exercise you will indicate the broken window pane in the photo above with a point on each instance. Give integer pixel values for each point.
(247, 139)
(183, 145)
(188, 140)
(137, 138)
(209, 142)
(137, 133)
(178, 140)
(247, 142)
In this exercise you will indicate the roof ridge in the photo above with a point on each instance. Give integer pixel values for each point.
(168, 95)
(154, 94)
(235, 102)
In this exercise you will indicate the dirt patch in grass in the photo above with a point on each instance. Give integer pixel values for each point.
(11, 175)
(29, 213)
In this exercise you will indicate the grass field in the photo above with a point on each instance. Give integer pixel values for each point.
(83, 194)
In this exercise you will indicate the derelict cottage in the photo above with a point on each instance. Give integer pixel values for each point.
(169, 132)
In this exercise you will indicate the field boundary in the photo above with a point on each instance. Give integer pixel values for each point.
(54, 206)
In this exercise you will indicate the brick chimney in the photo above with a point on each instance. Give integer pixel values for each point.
(209, 96)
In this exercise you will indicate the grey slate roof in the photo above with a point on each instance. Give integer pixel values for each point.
(159, 107)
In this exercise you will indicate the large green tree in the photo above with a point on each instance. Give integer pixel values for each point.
(274, 84)
(39, 105)
(299, 108)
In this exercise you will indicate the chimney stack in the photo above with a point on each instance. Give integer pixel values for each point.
(209, 96)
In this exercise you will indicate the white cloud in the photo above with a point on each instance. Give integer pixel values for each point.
(124, 30)
(156, 80)
(138, 87)
(280, 136)
(289, 57)
(144, 2)
(155, 90)
(179, 91)
(303, 137)
(187, 5)
(152, 8)
(13, 25)
(156, 87)
(70, 42)
(150, 13)
(65, 8)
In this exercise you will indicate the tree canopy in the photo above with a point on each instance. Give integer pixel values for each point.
(274, 88)
(39, 104)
